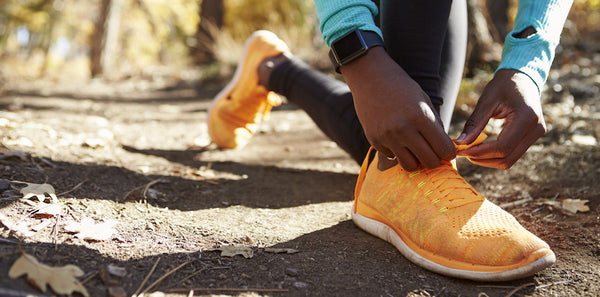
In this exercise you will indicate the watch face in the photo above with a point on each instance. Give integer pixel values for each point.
(349, 45)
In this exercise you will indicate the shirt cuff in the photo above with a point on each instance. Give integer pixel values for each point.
(532, 56)
(340, 17)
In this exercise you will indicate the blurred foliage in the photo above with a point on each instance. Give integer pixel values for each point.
(48, 37)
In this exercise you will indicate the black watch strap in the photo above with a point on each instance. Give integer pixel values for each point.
(351, 46)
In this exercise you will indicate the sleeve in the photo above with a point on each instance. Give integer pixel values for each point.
(338, 17)
(534, 55)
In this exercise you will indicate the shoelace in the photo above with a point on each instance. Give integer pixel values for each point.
(455, 190)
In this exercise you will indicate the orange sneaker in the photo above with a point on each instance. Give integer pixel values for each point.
(238, 110)
(439, 222)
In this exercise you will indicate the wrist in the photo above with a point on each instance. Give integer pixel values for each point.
(351, 46)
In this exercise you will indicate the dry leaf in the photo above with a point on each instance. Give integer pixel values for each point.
(281, 250)
(20, 229)
(62, 279)
(38, 191)
(41, 225)
(574, 205)
(232, 250)
(89, 230)
(45, 210)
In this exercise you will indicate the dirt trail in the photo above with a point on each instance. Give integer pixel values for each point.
(289, 188)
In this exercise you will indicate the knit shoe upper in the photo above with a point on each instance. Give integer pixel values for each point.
(438, 221)
(238, 110)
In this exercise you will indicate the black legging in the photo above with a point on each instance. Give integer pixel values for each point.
(426, 38)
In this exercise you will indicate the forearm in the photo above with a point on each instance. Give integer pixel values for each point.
(533, 54)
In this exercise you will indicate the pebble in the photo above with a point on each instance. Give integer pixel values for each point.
(291, 272)
(300, 285)
(4, 185)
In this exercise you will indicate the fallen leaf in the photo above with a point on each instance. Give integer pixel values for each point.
(89, 230)
(20, 229)
(62, 279)
(574, 205)
(281, 250)
(39, 191)
(45, 210)
(233, 250)
(41, 225)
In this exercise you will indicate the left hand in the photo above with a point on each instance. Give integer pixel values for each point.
(513, 96)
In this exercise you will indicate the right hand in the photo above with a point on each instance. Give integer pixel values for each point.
(396, 114)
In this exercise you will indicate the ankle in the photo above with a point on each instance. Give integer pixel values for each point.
(265, 68)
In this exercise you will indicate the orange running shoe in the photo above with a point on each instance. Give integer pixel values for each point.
(238, 110)
(439, 222)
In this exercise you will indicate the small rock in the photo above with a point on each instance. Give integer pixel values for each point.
(222, 276)
(262, 267)
(300, 285)
(116, 292)
(4, 185)
(291, 272)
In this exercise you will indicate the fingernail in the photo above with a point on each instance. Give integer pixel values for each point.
(461, 138)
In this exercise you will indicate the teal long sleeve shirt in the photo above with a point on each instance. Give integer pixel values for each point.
(532, 55)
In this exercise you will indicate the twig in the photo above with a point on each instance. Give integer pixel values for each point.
(516, 203)
(73, 189)
(230, 289)
(519, 288)
(160, 279)
(147, 277)
(7, 240)
(189, 276)
(150, 184)
(13, 293)
(145, 186)
(553, 284)
(55, 233)
(89, 278)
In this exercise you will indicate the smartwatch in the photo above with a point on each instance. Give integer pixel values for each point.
(351, 46)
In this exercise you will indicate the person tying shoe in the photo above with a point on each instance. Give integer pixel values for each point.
(392, 117)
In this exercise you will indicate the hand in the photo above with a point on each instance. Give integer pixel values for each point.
(397, 116)
(513, 96)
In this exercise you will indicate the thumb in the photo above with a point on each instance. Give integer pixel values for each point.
(473, 127)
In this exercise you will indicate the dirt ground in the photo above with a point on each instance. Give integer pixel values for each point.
(137, 153)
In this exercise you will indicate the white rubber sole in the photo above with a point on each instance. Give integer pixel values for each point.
(386, 233)
(238, 71)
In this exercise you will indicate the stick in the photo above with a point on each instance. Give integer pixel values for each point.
(145, 186)
(230, 289)
(553, 284)
(89, 277)
(160, 279)
(189, 276)
(147, 277)
(74, 188)
(13, 293)
(519, 288)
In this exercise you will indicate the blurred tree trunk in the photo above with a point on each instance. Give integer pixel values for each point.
(482, 48)
(498, 12)
(211, 18)
(105, 40)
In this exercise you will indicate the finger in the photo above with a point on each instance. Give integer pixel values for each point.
(438, 142)
(424, 152)
(475, 123)
(499, 159)
(407, 160)
(515, 137)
